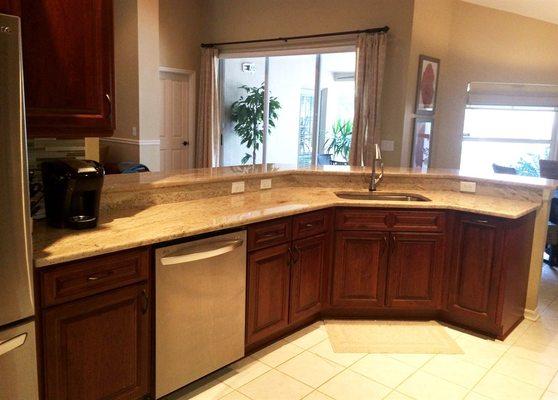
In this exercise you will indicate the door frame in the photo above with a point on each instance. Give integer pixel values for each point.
(190, 77)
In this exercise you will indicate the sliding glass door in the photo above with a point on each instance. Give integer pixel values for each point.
(287, 109)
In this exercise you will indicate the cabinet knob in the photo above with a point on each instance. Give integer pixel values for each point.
(186, 143)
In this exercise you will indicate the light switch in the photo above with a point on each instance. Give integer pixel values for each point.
(265, 184)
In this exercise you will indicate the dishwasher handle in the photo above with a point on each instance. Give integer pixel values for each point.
(202, 251)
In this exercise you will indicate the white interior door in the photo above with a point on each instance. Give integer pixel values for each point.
(177, 119)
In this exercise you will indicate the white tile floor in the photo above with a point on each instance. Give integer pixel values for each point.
(304, 366)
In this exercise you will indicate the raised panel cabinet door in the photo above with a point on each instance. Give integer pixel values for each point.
(476, 269)
(268, 292)
(68, 67)
(307, 273)
(415, 270)
(359, 271)
(98, 347)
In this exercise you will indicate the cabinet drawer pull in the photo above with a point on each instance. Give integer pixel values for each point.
(96, 277)
(145, 302)
(308, 225)
(109, 114)
(482, 221)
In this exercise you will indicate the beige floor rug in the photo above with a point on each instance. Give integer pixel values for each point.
(406, 337)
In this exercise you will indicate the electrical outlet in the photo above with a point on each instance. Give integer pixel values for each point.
(134, 131)
(265, 184)
(237, 187)
(468, 187)
(387, 145)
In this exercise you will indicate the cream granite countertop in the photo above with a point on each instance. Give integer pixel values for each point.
(124, 229)
(128, 182)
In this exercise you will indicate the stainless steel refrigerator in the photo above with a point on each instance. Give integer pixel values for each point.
(18, 364)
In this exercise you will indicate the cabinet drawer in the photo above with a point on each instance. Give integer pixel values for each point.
(390, 220)
(311, 224)
(269, 233)
(84, 278)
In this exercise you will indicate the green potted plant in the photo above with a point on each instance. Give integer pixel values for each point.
(247, 113)
(340, 143)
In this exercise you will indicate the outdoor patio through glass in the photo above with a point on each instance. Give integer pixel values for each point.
(308, 100)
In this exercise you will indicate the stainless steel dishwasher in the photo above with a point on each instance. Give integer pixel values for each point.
(200, 308)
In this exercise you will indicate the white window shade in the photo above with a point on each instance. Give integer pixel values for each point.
(512, 94)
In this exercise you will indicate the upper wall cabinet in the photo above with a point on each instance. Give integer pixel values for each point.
(68, 67)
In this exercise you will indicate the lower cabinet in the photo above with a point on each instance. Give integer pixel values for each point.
(285, 285)
(359, 271)
(98, 347)
(268, 292)
(415, 271)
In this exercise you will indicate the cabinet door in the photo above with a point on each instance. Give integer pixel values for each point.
(476, 270)
(360, 269)
(415, 270)
(10, 7)
(310, 257)
(268, 292)
(99, 347)
(68, 67)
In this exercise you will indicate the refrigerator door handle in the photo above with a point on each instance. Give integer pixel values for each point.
(12, 344)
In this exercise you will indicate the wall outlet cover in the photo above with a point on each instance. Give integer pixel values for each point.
(265, 184)
(468, 187)
(387, 145)
(237, 187)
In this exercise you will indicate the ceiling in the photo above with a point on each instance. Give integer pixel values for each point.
(545, 10)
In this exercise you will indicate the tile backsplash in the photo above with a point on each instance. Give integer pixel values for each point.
(44, 149)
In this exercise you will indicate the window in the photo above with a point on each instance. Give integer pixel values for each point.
(510, 136)
(309, 99)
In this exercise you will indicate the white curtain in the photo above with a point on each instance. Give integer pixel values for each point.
(207, 133)
(371, 55)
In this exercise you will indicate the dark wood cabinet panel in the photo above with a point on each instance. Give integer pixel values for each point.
(310, 257)
(415, 270)
(68, 67)
(268, 292)
(476, 269)
(269, 233)
(310, 224)
(10, 7)
(359, 270)
(99, 347)
(389, 220)
(79, 279)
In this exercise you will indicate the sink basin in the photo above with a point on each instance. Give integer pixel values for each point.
(381, 196)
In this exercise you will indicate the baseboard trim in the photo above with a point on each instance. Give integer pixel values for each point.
(133, 142)
(531, 315)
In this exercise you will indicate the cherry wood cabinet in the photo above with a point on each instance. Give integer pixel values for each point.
(359, 271)
(99, 347)
(286, 281)
(10, 7)
(309, 259)
(489, 272)
(68, 67)
(268, 292)
(415, 270)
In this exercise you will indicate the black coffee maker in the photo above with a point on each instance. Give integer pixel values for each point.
(72, 190)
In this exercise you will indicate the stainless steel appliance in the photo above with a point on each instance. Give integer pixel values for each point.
(200, 308)
(18, 365)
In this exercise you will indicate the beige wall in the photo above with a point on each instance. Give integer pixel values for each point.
(256, 19)
(181, 30)
(488, 45)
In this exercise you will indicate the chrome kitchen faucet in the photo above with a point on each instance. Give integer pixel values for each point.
(376, 157)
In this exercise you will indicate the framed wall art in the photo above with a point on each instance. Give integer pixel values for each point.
(422, 142)
(427, 85)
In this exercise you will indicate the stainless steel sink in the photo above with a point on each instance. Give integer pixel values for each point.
(381, 196)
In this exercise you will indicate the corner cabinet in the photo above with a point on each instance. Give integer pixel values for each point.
(68, 67)
(96, 326)
(489, 272)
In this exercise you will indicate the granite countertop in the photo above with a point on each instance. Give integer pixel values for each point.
(128, 182)
(128, 228)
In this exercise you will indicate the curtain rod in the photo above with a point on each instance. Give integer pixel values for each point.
(285, 39)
